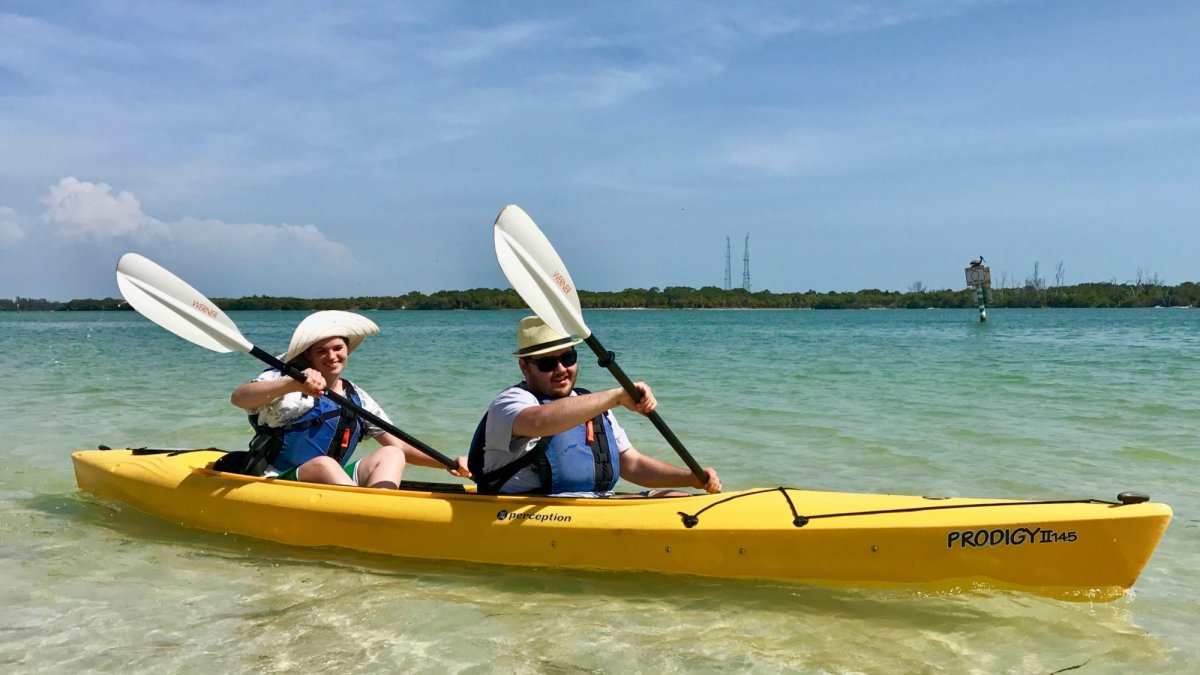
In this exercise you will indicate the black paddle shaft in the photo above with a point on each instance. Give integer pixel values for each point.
(608, 360)
(298, 375)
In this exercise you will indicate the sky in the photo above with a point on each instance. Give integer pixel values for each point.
(320, 149)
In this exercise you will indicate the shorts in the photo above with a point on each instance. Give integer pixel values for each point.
(351, 470)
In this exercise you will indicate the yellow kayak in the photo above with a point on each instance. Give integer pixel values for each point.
(1078, 550)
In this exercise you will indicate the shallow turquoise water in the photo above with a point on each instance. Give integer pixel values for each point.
(1035, 403)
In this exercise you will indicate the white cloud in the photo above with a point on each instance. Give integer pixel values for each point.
(932, 138)
(614, 86)
(82, 210)
(92, 221)
(268, 247)
(460, 47)
(795, 152)
(11, 230)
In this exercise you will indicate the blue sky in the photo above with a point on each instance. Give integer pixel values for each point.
(310, 149)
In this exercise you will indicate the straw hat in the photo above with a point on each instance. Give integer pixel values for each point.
(328, 324)
(535, 337)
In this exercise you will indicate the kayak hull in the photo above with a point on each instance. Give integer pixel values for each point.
(1070, 550)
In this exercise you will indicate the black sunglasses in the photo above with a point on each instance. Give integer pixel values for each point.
(547, 364)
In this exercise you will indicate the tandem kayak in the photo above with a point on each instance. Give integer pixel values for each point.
(1074, 550)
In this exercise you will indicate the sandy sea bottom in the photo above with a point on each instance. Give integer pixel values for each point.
(1034, 404)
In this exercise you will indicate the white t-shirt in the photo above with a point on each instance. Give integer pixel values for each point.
(292, 406)
(501, 447)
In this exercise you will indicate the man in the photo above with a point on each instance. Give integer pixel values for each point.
(544, 436)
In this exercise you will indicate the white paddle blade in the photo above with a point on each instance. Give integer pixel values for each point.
(536, 272)
(171, 303)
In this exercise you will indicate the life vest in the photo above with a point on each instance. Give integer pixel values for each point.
(580, 459)
(326, 429)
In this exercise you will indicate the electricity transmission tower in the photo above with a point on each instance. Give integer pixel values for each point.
(728, 275)
(746, 265)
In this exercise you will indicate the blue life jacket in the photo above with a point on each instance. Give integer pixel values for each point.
(580, 459)
(326, 429)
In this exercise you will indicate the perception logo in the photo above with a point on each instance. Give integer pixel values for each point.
(505, 514)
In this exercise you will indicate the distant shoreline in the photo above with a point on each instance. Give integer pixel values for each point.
(1090, 295)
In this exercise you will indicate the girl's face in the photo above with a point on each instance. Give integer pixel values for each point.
(328, 356)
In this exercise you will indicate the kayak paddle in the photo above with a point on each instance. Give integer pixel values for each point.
(539, 276)
(171, 303)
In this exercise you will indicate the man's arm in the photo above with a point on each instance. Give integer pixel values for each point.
(565, 413)
(650, 472)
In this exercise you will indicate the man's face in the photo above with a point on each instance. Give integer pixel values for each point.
(548, 376)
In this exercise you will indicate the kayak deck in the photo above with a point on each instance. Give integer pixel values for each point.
(1079, 550)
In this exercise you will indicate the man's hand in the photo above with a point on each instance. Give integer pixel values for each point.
(712, 483)
(644, 406)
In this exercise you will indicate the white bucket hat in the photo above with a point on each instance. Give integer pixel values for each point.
(329, 324)
(535, 337)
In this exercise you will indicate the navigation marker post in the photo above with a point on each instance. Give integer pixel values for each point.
(979, 277)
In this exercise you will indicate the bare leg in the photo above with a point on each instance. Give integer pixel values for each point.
(324, 469)
(382, 468)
